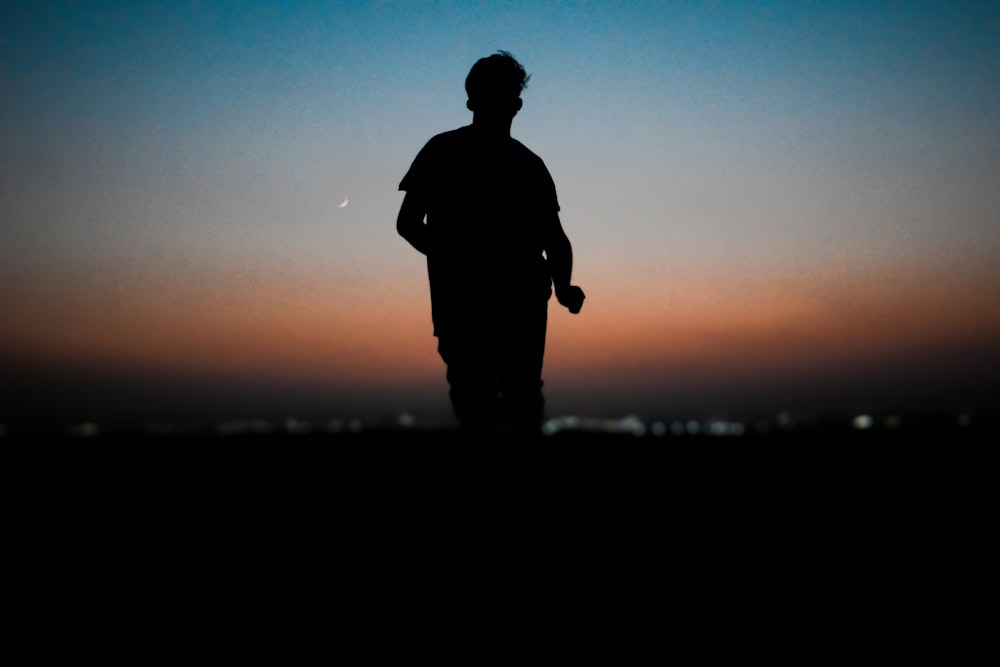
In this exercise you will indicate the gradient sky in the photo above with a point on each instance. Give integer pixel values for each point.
(769, 202)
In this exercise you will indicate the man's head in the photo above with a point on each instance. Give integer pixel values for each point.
(494, 85)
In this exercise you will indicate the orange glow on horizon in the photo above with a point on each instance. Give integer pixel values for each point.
(369, 331)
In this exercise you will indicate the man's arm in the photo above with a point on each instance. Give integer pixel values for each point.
(559, 253)
(410, 222)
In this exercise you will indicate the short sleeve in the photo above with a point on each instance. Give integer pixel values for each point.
(551, 200)
(547, 201)
(417, 176)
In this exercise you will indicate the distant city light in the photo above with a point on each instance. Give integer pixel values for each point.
(784, 420)
(297, 426)
(724, 428)
(632, 424)
(83, 430)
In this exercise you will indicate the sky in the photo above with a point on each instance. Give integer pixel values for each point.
(772, 205)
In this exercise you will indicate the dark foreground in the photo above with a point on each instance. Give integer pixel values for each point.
(284, 482)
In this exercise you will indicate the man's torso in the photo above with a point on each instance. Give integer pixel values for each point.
(487, 206)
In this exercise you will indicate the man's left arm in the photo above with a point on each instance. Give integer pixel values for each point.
(559, 253)
(410, 222)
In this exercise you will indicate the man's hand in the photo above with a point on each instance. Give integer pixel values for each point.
(572, 297)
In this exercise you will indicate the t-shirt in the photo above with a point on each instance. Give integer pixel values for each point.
(487, 205)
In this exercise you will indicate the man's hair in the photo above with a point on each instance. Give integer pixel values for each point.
(496, 76)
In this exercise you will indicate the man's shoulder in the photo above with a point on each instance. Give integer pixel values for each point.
(528, 158)
(526, 153)
(459, 135)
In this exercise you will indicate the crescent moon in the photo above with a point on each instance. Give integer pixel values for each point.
(343, 203)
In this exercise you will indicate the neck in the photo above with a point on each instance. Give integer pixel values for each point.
(493, 127)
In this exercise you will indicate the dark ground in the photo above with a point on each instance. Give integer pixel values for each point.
(821, 492)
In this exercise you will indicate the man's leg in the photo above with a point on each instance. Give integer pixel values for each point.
(472, 381)
(523, 346)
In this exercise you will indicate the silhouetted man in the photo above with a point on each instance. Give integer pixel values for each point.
(491, 212)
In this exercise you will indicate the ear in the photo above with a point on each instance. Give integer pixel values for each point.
(469, 106)
(517, 104)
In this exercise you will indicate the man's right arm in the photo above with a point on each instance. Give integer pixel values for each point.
(559, 254)
(410, 222)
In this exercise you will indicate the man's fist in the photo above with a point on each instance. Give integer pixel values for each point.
(572, 297)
